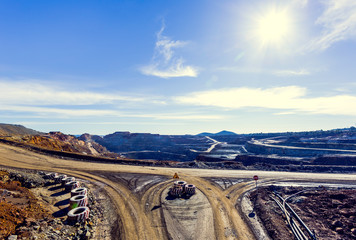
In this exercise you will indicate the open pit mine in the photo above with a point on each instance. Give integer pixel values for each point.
(54, 194)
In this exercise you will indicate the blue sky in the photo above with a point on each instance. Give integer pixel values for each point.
(178, 67)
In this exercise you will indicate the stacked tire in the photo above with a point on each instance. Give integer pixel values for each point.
(50, 176)
(78, 201)
(78, 210)
(176, 191)
(69, 186)
(182, 188)
(79, 191)
(189, 189)
(179, 184)
(78, 214)
(67, 179)
(58, 179)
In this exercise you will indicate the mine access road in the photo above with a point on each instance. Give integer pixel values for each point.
(139, 194)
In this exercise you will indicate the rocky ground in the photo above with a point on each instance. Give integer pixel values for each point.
(331, 213)
(33, 208)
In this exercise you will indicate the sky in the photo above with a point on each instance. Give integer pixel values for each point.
(178, 67)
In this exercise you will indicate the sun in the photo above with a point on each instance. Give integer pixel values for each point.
(273, 27)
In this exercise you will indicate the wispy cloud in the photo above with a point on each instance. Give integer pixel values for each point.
(283, 73)
(289, 99)
(33, 99)
(34, 93)
(164, 63)
(338, 23)
(182, 116)
(56, 112)
(43, 99)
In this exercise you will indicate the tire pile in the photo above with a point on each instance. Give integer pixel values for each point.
(78, 209)
(182, 189)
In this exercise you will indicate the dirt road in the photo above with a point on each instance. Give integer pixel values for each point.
(139, 192)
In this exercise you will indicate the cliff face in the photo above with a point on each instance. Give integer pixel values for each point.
(61, 142)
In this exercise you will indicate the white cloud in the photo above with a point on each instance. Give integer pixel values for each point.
(338, 23)
(181, 116)
(45, 112)
(33, 93)
(164, 63)
(45, 99)
(33, 99)
(64, 113)
(289, 99)
(175, 70)
(282, 73)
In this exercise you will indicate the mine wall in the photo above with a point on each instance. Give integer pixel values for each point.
(248, 160)
(259, 148)
(335, 160)
(343, 146)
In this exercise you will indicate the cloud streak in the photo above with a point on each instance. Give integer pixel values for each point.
(32, 93)
(338, 23)
(40, 100)
(291, 99)
(164, 63)
(286, 73)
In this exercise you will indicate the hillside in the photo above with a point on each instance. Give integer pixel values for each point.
(16, 130)
(68, 143)
(222, 133)
(152, 146)
(56, 141)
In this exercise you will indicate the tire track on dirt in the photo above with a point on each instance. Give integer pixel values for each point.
(135, 222)
(227, 221)
(153, 208)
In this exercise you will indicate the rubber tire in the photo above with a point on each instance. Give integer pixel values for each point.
(67, 179)
(78, 201)
(79, 191)
(78, 214)
(190, 189)
(69, 186)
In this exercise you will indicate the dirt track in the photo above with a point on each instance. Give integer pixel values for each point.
(137, 192)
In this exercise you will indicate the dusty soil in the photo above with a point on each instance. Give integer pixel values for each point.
(331, 213)
(190, 218)
(135, 192)
(41, 212)
(18, 207)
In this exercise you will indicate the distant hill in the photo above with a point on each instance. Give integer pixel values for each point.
(16, 130)
(152, 146)
(222, 133)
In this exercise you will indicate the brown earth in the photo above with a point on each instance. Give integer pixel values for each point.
(331, 213)
(18, 207)
(136, 192)
(57, 141)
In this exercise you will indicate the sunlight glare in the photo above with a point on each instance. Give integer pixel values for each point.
(273, 27)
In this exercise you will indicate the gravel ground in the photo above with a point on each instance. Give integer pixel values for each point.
(41, 212)
(331, 213)
(188, 218)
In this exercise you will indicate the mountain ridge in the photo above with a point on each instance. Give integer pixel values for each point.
(221, 133)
